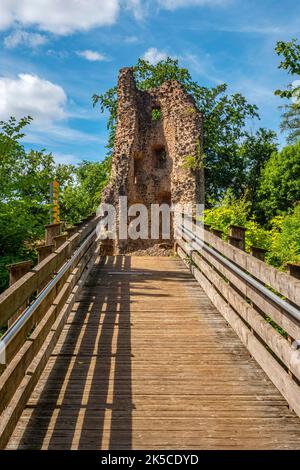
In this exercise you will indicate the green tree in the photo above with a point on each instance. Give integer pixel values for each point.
(24, 194)
(290, 53)
(25, 177)
(291, 122)
(279, 187)
(225, 118)
(253, 153)
(24, 183)
(82, 195)
(24, 187)
(281, 239)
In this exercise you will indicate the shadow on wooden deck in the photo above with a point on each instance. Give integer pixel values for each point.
(79, 394)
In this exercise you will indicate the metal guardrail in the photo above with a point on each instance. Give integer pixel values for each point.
(281, 303)
(12, 332)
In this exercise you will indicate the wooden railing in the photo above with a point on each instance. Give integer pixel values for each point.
(260, 303)
(48, 292)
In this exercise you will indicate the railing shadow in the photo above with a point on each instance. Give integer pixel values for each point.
(86, 401)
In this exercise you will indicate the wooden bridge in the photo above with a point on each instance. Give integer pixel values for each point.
(129, 352)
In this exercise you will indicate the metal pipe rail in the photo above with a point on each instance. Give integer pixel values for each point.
(281, 303)
(12, 332)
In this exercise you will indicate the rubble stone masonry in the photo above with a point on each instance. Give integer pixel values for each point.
(152, 158)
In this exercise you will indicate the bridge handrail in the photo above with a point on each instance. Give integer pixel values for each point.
(30, 340)
(251, 308)
(12, 332)
(280, 281)
(22, 290)
(281, 303)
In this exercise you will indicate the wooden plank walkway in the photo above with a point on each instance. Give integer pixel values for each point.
(146, 362)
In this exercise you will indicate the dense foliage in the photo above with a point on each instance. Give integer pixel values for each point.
(281, 239)
(83, 194)
(279, 183)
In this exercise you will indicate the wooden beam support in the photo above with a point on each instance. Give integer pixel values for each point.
(217, 232)
(237, 242)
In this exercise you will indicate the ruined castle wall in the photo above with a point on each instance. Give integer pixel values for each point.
(149, 160)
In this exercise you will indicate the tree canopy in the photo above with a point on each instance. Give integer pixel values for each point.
(25, 178)
(290, 53)
(279, 187)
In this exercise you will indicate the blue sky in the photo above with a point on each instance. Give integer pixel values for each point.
(55, 54)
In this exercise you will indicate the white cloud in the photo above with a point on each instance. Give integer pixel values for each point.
(173, 4)
(31, 95)
(66, 158)
(92, 56)
(136, 7)
(131, 39)
(57, 16)
(50, 134)
(256, 91)
(153, 55)
(202, 65)
(24, 38)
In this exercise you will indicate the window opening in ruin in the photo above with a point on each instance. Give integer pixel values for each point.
(160, 157)
(156, 114)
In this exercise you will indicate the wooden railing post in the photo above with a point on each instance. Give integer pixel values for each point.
(44, 251)
(237, 236)
(107, 245)
(51, 231)
(294, 270)
(16, 271)
(59, 240)
(259, 253)
(70, 231)
(216, 232)
(235, 241)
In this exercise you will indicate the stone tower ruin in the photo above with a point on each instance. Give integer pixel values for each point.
(150, 162)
